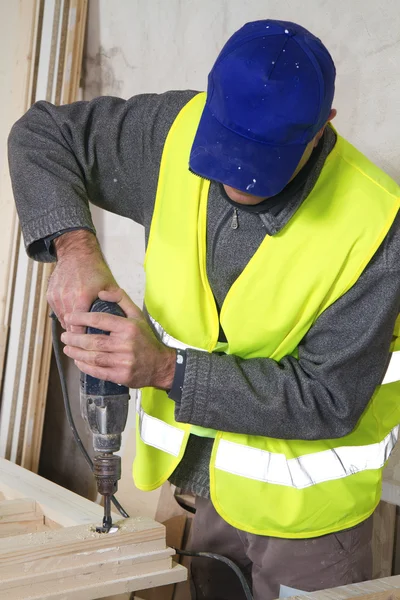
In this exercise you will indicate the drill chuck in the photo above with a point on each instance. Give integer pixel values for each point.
(107, 471)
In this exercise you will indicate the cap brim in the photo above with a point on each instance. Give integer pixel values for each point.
(222, 155)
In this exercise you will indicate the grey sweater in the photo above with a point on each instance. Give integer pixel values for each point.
(108, 152)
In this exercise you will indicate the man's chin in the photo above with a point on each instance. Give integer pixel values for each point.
(241, 197)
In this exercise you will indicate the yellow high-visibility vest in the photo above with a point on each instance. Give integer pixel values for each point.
(283, 488)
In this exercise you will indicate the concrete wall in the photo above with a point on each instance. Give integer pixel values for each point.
(137, 46)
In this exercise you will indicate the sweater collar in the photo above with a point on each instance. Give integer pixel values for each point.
(276, 212)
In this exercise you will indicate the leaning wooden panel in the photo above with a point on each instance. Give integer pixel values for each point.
(17, 43)
(69, 37)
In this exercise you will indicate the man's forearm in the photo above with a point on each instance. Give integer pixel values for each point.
(80, 274)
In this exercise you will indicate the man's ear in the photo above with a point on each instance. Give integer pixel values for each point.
(320, 133)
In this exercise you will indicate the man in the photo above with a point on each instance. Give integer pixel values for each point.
(272, 292)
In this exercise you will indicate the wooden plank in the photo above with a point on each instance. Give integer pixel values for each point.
(175, 528)
(149, 550)
(26, 527)
(68, 29)
(51, 524)
(391, 478)
(19, 37)
(78, 562)
(75, 563)
(50, 544)
(23, 307)
(371, 590)
(57, 503)
(19, 517)
(27, 438)
(182, 589)
(114, 584)
(36, 403)
(21, 509)
(23, 317)
(41, 580)
(383, 540)
(74, 50)
(386, 595)
(11, 397)
(59, 27)
(33, 342)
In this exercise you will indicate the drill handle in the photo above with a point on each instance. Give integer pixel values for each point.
(91, 385)
(102, 306)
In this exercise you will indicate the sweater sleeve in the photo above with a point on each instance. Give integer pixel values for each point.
(106, 151)
(322, 394)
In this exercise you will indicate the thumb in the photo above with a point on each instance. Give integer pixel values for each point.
(121, 297)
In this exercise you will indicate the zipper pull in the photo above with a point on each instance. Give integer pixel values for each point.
(235, 219)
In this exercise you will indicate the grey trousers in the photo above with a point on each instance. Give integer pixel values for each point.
(310, 564)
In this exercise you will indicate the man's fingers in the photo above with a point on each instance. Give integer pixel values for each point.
(96, 342)
(102, 373)
(121, 297)
(102, 321)
(79, 308)
(98, 359)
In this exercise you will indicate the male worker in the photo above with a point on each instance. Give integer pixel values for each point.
(272, 292)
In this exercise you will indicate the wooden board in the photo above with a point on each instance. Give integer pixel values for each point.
(391, 478)
(75, 562)
(56, 37)
(24, 18)
(20, 516)
(18, 38)
(175, 528)
(57, 503)
(62, 84)
(70, 540)
(383, 540)
(379, 589)
(23, 509)
(72, 560)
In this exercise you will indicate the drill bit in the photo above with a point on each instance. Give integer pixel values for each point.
(107, 519)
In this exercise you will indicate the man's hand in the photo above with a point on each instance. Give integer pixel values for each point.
(80, 274)
(131, 355)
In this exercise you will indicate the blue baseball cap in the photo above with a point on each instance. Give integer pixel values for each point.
(269, 93)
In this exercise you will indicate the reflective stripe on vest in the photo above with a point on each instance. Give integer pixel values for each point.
(167, 339)
(392, 372)
(157, 433)
(268, 467)
(301, 472)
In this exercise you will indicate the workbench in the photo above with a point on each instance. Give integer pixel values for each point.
(50, 550)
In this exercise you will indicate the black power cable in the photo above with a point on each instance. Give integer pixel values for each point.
(227, 561)
(71, 422)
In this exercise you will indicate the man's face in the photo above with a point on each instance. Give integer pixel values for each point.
(244, 198)
(249, 199)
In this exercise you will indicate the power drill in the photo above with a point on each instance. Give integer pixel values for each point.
(104, 407)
